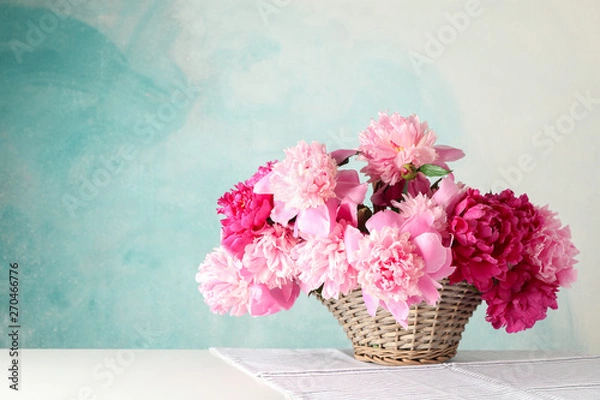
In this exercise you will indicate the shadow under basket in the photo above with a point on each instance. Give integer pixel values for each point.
(433, 333)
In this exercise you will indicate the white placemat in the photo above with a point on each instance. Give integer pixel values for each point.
(316, 374)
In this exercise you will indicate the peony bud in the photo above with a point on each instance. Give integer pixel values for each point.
(408, 172)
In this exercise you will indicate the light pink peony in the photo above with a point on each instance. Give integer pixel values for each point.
(228, 287)
(224, 288)
(268, 259)
(305, 178)
(308, 186)
(421, 206)
(389, 271)
(392, 142)
(551, 251)
(323, 261)
(400, 262)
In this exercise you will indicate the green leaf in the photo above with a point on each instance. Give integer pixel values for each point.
(433, 170)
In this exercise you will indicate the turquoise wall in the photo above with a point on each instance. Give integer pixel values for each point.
(121, 123)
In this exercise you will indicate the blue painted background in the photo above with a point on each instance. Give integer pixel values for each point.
(121, 123)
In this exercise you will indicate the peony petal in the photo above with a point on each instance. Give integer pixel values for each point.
(447, 153)
(287, 295)
(342, 154)
(436, 256)
(348, 211)
(282, 214)
(399, 310)
(351, 238)
(318, 221)
(348, 185)
(261, 301)
(371, 303)
(384, 218)
(263, 186)
(429, 289)
(447, 193)
(418, 224)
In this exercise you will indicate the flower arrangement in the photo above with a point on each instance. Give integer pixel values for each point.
(301, 224)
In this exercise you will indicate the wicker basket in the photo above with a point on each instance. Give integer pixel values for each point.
(433, 332)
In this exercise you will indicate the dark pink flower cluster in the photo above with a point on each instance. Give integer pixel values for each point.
(246, 213)
(514, 253)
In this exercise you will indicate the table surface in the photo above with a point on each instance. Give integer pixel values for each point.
(77, 374)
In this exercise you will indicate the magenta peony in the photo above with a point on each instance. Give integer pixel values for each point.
(246, 213)
(488, 236)
(520, 300)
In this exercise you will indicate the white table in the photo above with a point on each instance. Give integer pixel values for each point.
(310, 373)
(128, 375)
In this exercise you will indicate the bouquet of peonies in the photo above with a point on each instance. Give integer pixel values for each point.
(301, 224)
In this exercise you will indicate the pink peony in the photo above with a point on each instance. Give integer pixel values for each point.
(222, 284)
(389, 270)
(305, 178)
(488, 235)
(400, 262)
(520, 300)
(268, 259)
(393, 142)
(551, 251)
(307, 186)
(322, 261)
(246, 213)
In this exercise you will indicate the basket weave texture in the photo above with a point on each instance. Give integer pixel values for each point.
(433, 333)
